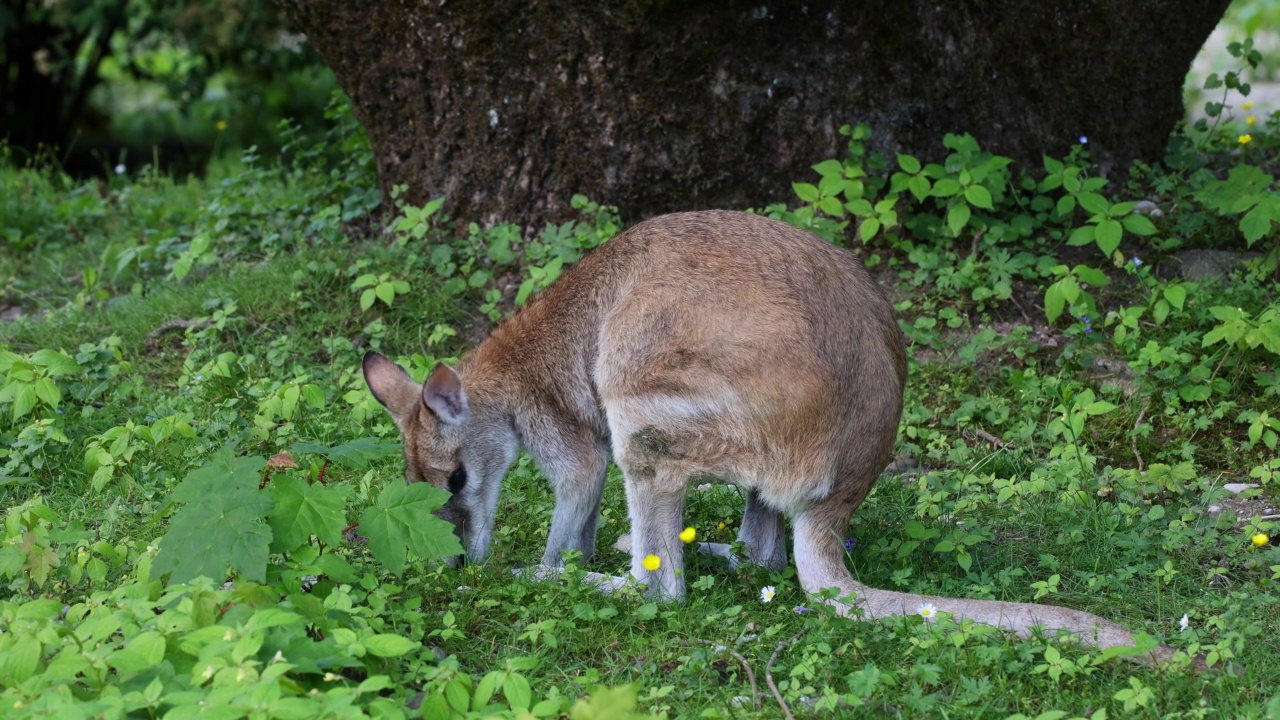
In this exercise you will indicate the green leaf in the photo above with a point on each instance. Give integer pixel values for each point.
(221, 524)
(302, 510)
(957, 217)
(141, 652)
(1066, 205)
(828, 168)
(919, 186)
(1108, 236)
(1139, 224)
(908, 163)
(24, 398)
(806, 191)
(1100, 407)
(946, 187)
(1093, 203)
(1082, 235)
(48, 391)
(387, 645)
(517, 691)
(831, 206)
(367, 299)
(1093, 276)
(1257, 223)
(978, 196)
(386, 293)
(1176, 295)
(868, 229)
(54, 362)
(356, 454)
(401, 523)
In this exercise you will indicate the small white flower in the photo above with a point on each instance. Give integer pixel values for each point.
(1184, 623)
(493, 118)
(927, 611)
(279, 657)
(766, 593)
(121, 169)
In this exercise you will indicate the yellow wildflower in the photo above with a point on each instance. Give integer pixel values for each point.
(1261, 539)
(688, 535)
(720, 526)
(1251, 120)
(652, 562)
(1247, 104)
(220, 125)
(1245, 139)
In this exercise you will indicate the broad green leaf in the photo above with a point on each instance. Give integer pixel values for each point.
(24, 398)
(386, 293)
(302, 510)
(908, 163)
(1093, 203)
(1093, 276)
(517, 691)
(388, 645)
(1257, 223)
(919, 186)
(978, 196)
(401, 523)
(957, 217)
(868, 229)
(221, 524)
(336, 567)
(367, 299)
(831, 206)
(1176, 295)
(48, 391)
(21, 660)
(1108, 236)
(827, 168)
(1082, 235)
(1066, 205)
(946, 187)
(141, 652)
(805, 191)
(1139, 224)
(356, 454)
(1100, 407)
(54, 362)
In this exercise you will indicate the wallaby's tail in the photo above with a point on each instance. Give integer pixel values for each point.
(820, 561)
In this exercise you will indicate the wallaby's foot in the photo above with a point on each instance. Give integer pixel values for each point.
(606, 584)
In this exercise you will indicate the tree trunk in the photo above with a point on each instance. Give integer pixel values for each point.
(509, 108)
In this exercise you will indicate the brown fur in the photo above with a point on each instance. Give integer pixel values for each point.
(698, 344)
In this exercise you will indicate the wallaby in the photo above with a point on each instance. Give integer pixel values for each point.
(695, 345)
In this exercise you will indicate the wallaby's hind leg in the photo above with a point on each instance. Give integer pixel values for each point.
(819, 540)
(764, 534)
(656, 506)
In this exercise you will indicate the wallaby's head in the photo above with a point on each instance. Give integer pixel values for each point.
(448, 443)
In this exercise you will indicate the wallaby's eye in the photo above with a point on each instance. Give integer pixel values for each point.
(457, 479)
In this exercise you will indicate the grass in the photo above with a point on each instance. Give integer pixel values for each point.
(1006, 500)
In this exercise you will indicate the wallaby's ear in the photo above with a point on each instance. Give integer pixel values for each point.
(444, 396)
(391, 385)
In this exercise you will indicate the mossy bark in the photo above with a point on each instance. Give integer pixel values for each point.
(509, 108)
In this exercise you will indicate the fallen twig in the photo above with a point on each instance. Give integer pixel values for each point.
(768, 675)
(1134, 438)
(751, 677)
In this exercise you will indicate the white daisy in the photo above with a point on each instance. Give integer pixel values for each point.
(766, 593)
(1184, 623)
(927, 611)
